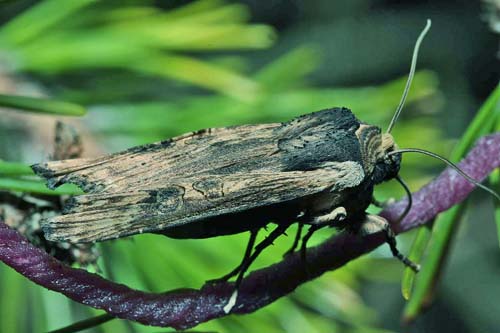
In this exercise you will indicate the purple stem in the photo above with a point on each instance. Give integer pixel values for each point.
(186, 308)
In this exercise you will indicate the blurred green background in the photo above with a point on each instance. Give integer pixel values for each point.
(148, 70)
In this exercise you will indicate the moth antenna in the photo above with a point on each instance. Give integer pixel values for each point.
(450, 164)
(410, 76)
(410, 198)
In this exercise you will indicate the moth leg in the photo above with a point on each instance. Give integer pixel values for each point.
(373, 224)
(296, 241)
(336, 215)
(248, 252)
(278, 231)
(303, 247)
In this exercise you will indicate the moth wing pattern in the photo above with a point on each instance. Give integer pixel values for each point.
(205, 174)
(95, 217)
(304, 143)
(210, 151)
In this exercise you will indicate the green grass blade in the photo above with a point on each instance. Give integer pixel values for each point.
(35, 20)
(15, 169)
(427, 278)
(416, 253)
(482, 124)
(447, 222)
(41, 105)
(36, 186)
(194, 8)
(13, 299)
(203, 74)
(198, 37)
(38, 318)
(288, 70)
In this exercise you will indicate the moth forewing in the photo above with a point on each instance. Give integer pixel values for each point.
(210, 150)
(279, 178)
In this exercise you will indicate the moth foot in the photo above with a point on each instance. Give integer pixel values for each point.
(374, 224)
(231, 302)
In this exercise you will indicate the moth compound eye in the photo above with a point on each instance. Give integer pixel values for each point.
(394, 158)
(389, 158)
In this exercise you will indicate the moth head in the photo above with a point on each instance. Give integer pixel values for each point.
(386, 165)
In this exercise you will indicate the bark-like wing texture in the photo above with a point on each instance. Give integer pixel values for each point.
(205, 174)
(110, 215)
(212, 151)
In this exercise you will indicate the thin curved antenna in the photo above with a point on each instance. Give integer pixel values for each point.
(450, 164)
(410, 199)
(410, 76)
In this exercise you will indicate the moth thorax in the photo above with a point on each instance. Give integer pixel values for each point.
(386, 166)
(388, 143)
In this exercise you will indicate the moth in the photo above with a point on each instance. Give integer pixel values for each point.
(317, 170)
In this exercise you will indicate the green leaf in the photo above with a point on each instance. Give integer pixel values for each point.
(483, 123)
(34, 21)
(288, 70)
(446, 224)
(154, 120)
(41, 105)
(15, 169)
(36, 186)
(14, 297)
(135, 38)
(195, 9)
(203, 74)
(416, 253)
(191, 34)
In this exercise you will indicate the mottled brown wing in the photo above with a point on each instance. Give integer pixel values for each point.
(206, 174)
(101, 216)
(304, 143)
(216, 151)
